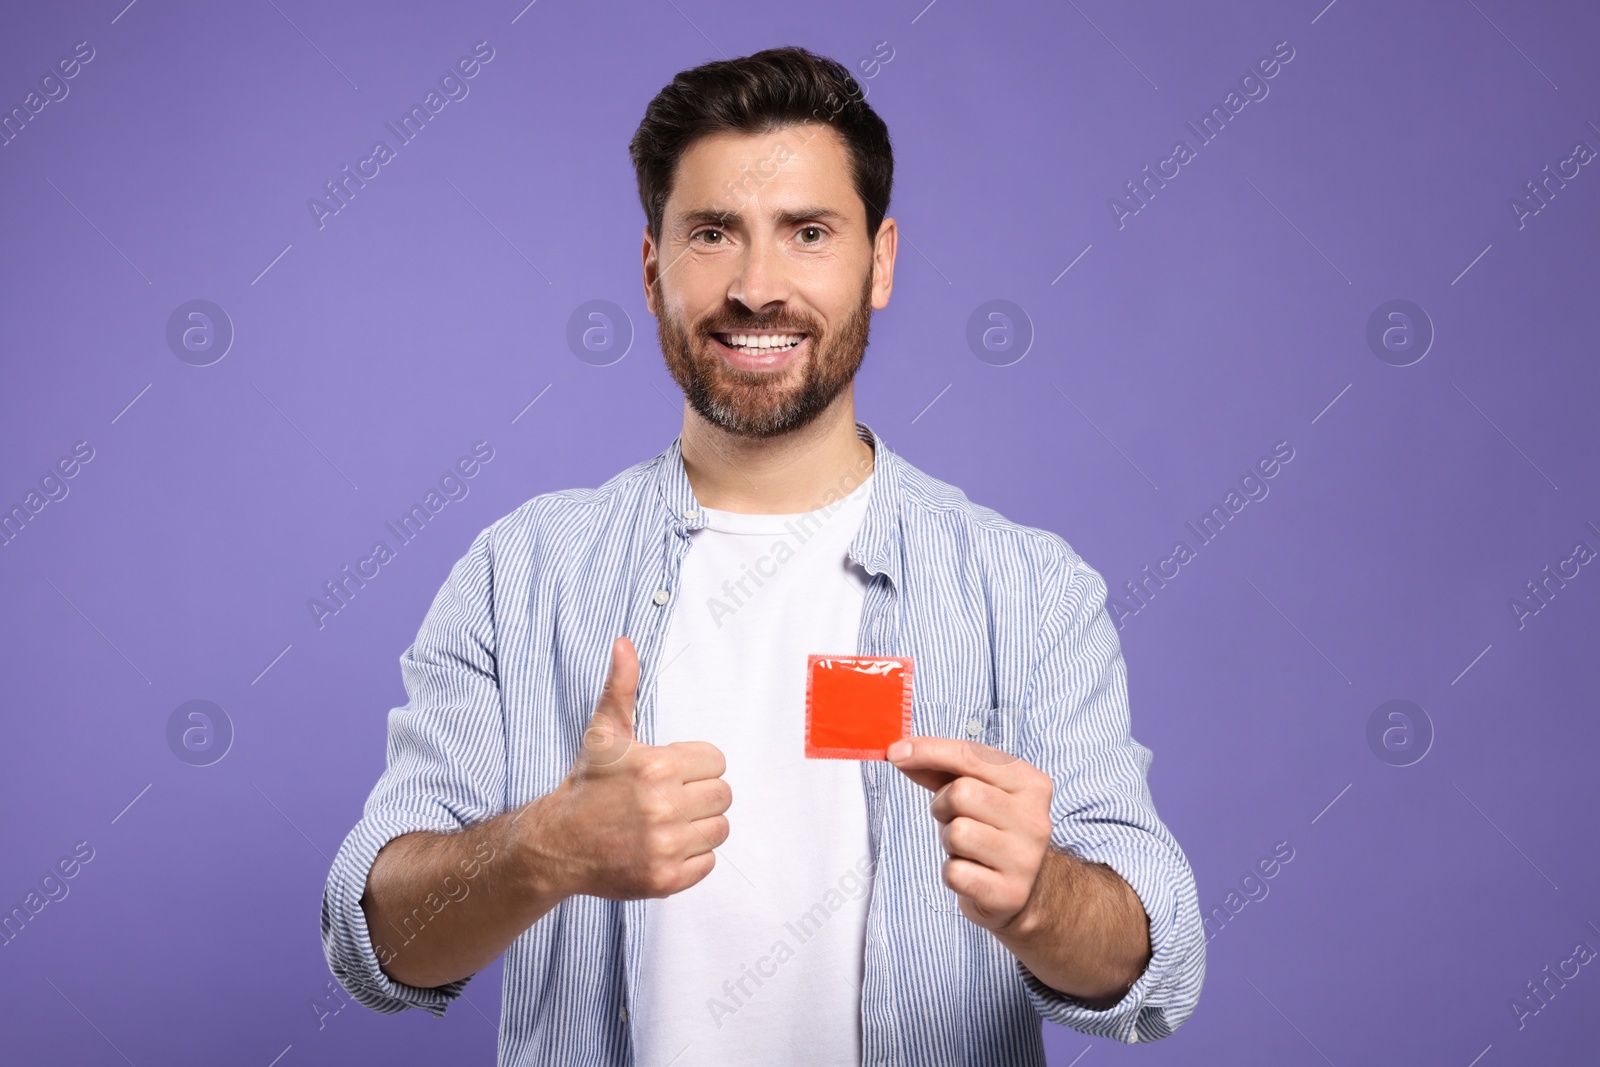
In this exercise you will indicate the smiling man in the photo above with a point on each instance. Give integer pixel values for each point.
(600, 769)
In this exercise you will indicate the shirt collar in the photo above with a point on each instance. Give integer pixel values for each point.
(874, 546)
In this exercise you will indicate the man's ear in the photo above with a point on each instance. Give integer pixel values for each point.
(883, 253)
(652, 270)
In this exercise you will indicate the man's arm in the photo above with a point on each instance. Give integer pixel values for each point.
(629, 821)
(1067, 852)
(461, 876)
(1077, 926)
(442, 906)
(446, 765)
(1083, 933)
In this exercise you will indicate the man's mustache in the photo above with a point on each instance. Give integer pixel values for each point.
(754, 327)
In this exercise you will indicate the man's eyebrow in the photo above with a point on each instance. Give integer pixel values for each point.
(713, 217)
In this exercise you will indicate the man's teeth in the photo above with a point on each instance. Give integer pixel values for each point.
(772, 342)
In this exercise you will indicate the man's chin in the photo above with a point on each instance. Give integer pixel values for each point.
(750, 420)
(763, 411)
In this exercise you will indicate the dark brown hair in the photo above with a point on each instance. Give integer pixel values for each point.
(760, 93)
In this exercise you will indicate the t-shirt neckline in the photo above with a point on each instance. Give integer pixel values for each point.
(740, 522)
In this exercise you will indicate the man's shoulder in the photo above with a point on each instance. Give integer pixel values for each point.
(569, 513)
(934, 509)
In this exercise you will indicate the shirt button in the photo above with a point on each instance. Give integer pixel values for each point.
(691, 514)
(661, 597)
(974, 727)
(623, 1014)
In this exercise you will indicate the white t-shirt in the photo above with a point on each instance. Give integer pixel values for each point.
(761, 961)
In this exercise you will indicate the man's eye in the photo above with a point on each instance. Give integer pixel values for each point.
(709, 233)
(812, 229)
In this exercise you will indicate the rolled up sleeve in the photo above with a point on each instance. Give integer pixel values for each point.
(446, 758)
(1077, 731)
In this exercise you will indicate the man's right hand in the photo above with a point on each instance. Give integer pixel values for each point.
(630, 820)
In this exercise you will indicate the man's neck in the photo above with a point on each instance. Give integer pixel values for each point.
(776, 475)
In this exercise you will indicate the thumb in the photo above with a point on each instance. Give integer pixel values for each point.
(610, 732)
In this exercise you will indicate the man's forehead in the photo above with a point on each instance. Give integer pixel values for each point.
(772, 173)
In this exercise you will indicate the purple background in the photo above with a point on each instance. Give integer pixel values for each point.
(1229, 314)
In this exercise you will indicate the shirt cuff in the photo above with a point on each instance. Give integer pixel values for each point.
(346, 941)
(1165, 994)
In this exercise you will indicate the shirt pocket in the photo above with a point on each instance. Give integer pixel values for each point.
(969, 716)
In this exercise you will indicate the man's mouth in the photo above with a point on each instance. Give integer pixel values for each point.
(760, 350)
(765, 342)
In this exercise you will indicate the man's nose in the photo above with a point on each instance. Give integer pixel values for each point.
(762, 278)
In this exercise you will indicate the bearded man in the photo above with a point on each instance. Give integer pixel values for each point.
(602, 767)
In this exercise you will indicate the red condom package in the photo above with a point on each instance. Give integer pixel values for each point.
(856, 706)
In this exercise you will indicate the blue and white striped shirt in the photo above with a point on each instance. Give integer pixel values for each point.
(1013, 647)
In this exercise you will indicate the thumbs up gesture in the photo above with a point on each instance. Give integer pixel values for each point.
(610, 733)
(630, 820)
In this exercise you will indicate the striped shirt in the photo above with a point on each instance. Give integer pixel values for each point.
(1013, 647)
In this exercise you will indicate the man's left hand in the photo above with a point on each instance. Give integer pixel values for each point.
(994, 814)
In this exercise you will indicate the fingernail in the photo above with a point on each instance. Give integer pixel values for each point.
(899, 750)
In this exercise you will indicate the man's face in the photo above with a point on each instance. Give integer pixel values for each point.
(763, 283)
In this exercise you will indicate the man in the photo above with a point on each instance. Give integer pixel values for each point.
(600, 768)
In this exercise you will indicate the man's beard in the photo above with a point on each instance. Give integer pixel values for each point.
(761, 403)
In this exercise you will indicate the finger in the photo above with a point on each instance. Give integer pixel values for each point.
(990, 892)
(605, 742)
(960, 758)
(968, 839)
(696, 867)
(698, 760)
(708, 833)
(932, 781)
(705, 798)
(974, 799)
(621, 689)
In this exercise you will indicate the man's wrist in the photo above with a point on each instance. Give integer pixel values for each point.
(1053, 888)
(537, 869)
(1066, 892)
